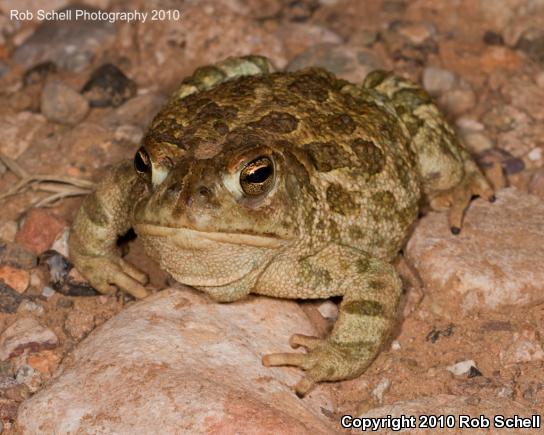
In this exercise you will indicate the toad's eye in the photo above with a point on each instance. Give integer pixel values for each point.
(142, 163)
(257, 176)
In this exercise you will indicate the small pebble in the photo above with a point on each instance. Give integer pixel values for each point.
(108, 86)
(39, 230)
(535, 154)
(477, 142)
(38, 73)
(437, 80)
(9, 299)
(8, 229)
(493, 38)
(540, 79)
(35, 280)
(462, 367)
(31, 307)
(17, 279)
(380, 389)
(25, 334)
(328, 310)
(6, 369)
(65, 303)
(61, 242)
(78, 324)
(395, 345)
(30, 377)
(47, 292)
(469, 124)
(16, 255)
(60, 103)
(46, 361)
(458, 101)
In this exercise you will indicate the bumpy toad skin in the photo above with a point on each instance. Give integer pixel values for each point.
(294, 185)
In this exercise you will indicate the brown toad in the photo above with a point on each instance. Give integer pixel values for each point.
(287, 184)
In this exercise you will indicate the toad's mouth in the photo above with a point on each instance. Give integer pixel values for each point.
(190, 238)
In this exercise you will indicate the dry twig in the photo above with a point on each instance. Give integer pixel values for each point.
(59, 186)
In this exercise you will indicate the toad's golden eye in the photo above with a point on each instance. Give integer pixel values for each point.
(142, 163)
(257, 176)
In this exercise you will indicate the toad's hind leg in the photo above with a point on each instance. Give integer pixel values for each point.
(449, 175)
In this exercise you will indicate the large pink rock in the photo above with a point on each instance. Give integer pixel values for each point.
(176, 364)
(495, 261)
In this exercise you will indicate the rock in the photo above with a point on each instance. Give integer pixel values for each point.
(166, 357)
(108, 86)
(328, 310)
(491, 264)
(60, 103)
(525, 347)
(9, 299)
(46, 362)
(65, 303)
(30, 307)
(63, 277)
(448, 404)
(536, 187)
(47, 292)
(535, 154)
(8, 229)
(71, 44)
(4, 68)
(39, 73)
(347, 62)
(25, 333)
(17, 279)
(477, 142)
(16, 255)
(19, 132)
(437, 80)
(380, 389)
(540, 79)
(61, 242)
(39, 230)
(532, 43)
(78, 324)
(457, 101)
(493, 38)
(30, 377)
(469, 125)
(510, 164)
(462, 367)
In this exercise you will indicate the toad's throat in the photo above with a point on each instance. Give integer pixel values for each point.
(189, 238)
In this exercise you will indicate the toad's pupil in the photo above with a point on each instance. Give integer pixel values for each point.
(260, 174)
(141, 161)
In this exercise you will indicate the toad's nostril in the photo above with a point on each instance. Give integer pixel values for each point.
(203, 192)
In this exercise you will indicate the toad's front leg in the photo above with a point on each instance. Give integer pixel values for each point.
(371, 290)
(102, 218)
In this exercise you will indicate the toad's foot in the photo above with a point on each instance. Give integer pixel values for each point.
(106, 274)
(458, 198)
(325, 360)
